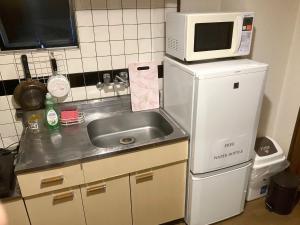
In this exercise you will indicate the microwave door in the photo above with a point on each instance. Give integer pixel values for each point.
(213, 36)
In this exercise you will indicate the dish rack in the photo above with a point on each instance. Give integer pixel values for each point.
(73, 121)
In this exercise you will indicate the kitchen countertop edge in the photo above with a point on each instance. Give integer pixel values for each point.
(98, 157)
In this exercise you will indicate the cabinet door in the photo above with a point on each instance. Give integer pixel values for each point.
(59, 208)
(158, 195)
(16, 212)
(107, 202)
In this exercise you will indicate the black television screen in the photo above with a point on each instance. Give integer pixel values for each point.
(29, 24)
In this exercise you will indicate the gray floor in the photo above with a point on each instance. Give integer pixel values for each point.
(256, 214)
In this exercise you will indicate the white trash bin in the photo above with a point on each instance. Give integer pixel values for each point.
(269, 160)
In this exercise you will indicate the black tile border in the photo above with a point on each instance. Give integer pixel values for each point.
(2, 90)
(76, 80)
(10, 85)
(7, 87)
(91, 78)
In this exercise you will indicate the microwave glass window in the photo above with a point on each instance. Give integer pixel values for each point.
(213, 36)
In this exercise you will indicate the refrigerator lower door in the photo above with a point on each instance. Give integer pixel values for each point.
(218, 195)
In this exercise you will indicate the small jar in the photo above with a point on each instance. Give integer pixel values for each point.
(34, 123)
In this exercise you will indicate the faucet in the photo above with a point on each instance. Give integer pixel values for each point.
(122, 79)
(106, 81)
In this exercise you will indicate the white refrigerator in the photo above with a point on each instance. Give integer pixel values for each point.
(218, 104)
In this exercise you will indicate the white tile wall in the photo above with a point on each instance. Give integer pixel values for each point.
(103, 48)
(5, 117)
(115, 17)
(89, 64)
(104, 63)
(129, 16)
(130, 32)
(100, 25)
(111, 33)
(100, 17)
(117, 47)
(92, 92)
(116, 32)
(78, 93)
(101, 33)
(88, 49)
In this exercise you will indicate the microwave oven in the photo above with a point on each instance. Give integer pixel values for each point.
(203, 36)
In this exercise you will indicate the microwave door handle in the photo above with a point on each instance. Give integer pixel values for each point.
(239, 31)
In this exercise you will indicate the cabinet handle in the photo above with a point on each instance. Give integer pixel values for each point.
(52, 180)
(101, 188)
(69, 195)
(144, 177)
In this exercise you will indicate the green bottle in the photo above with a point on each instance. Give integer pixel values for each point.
(52, 119)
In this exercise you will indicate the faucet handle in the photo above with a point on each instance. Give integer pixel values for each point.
(123, 75)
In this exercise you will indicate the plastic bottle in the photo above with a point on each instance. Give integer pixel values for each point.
(52, 119)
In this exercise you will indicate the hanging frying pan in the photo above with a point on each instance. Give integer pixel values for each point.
(29, 94)
(58, 85)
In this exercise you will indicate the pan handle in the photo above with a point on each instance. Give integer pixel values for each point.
(25, 67)
(53, 64)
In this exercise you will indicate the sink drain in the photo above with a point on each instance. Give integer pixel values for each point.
(127, 140)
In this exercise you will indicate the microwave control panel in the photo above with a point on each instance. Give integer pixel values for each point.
(246, 36)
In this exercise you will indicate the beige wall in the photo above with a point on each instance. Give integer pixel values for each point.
(275, 23)
(290, 98)
(200, 5)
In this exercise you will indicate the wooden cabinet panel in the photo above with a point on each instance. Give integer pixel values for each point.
(16, 212)
(50, 180)
(107, 202)
(135, 161)
(294, 153)
(57, 208)
(158, 195)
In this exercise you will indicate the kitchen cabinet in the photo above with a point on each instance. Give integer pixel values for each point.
(158, 195)
(146, 186)
(107, 202)
(16, 212)
(60, 208)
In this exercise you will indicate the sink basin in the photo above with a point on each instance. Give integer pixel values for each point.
(128, 128)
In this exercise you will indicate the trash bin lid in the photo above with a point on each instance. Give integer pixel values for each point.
(268, 152)
(286, 180)
(264, 147)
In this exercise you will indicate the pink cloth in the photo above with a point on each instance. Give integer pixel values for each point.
(144, 86)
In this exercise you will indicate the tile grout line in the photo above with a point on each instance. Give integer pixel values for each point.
(109, 40)
(151, 46)
(95, 43)
(67, 68)
(137, 31)
(82, 68)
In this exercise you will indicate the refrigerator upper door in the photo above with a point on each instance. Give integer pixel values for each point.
(226, 120)
(218, 195)
(178, 94)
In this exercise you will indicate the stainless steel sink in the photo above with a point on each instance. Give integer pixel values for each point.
(128, 128)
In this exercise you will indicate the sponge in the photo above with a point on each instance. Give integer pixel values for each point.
(69, 115)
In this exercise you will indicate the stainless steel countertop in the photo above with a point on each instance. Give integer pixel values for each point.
(71, 145)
